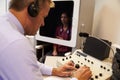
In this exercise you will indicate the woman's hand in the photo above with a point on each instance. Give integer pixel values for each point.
(54, 53)
(59, 37)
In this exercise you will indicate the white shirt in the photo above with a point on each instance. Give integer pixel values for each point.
(17, 57)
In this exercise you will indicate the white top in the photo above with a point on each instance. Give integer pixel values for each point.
(17, 57)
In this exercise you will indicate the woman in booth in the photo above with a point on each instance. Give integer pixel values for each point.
(63, 31)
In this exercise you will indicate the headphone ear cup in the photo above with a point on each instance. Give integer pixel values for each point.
(33, 10)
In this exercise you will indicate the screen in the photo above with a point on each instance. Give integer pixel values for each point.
(61, 23)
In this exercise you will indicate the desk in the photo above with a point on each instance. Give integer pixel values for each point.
(51, 61)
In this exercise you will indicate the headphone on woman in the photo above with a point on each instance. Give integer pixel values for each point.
(33, 8)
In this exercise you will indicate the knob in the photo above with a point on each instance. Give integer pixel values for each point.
(77, 66)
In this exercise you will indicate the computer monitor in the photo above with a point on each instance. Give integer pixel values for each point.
(47, 32)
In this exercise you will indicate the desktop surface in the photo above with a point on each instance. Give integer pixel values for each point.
(52, 61)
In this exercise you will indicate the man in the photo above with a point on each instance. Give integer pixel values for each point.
(17, 56)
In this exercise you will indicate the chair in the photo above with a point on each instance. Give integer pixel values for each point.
(42, 48)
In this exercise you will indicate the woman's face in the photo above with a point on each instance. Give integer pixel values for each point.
(64, 18)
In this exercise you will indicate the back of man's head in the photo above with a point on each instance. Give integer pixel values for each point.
(19, 5)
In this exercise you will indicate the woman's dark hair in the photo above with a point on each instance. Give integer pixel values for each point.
(69, 18)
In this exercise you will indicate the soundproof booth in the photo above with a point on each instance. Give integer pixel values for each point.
(77, 11)
(47, 33)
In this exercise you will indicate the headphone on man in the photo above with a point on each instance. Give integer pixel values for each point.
(33, 8)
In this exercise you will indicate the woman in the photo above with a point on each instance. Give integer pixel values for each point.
(63, 31)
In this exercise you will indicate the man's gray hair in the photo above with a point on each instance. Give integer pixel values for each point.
(19, 5)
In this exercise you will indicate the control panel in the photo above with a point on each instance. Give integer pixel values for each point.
(100, 70)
